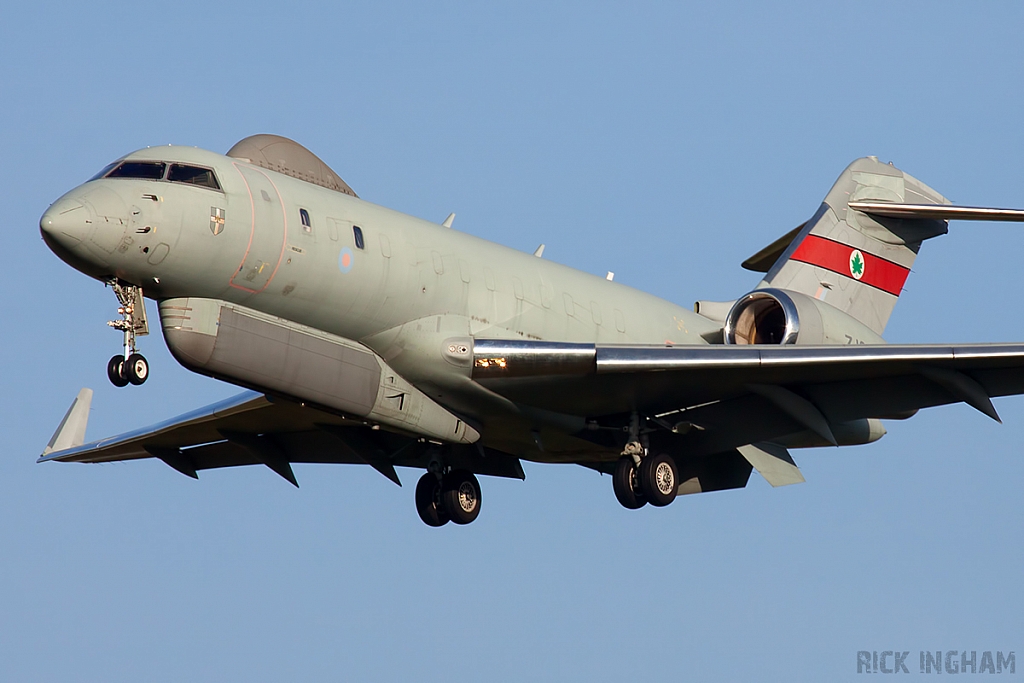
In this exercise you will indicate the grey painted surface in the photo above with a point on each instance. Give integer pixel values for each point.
(290, 284)
(272, 354)
(891, 239)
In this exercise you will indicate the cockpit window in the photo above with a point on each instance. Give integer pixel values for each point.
(145, 170)
(193, 175)
(106, 169)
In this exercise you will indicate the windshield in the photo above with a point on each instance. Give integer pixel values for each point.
(156, 170)
(105, 171)
(146, 170)
(193, 175)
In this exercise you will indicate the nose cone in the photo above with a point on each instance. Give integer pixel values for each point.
(66, 228)
(65, 224)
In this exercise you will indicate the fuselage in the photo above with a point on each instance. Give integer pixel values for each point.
(321, 258)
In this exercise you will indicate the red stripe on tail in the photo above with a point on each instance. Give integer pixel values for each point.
(835, 256)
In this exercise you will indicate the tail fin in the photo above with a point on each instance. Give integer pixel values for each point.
(857, 260)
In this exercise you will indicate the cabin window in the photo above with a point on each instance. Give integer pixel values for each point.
(357, 232)
(193, 175)
(570, 305)
(142, 170)
(307, 225)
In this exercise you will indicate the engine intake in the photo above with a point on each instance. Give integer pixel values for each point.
(778, 316)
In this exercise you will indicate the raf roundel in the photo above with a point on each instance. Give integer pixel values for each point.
(345, 259)
(856, 264)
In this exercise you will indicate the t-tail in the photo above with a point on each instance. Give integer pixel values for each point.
(854, 255)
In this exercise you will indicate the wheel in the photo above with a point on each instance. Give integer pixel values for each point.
(460, 496)
(659, 479)
(115, 372)
(137, 368)
(428, 501)
(625, 484)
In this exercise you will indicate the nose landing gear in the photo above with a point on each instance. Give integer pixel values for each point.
(129, 367)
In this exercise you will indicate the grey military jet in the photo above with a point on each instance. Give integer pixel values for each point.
(363, 335)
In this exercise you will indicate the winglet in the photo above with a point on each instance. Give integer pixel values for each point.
(71, 432)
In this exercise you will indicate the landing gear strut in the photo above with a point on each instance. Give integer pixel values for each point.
(129, 367)
(640, 478)
(447, 497)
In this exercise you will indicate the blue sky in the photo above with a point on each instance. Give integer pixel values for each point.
(664, 142)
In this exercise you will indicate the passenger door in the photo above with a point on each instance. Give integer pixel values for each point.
(269, 229)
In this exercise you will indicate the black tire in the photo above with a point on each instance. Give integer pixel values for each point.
(428, 501)
(460, 496)
(136, 369)
(115, 372)
(626, 485)
(659, 479)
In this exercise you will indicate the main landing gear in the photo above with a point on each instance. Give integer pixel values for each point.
(641, 478)
(129, 367)
(453, 496)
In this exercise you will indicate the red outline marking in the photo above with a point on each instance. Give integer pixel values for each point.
(252, 231)
(284, 237)
(825, 253)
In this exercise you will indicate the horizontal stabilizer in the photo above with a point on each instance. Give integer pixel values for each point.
(942, 212)
(774, 463)
(71, 431)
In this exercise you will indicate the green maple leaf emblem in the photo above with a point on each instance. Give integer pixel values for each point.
(857, 265)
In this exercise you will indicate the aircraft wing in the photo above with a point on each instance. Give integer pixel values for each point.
(722, 397)
(253, 428)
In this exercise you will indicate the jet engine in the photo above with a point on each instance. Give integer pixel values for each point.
(779, 316)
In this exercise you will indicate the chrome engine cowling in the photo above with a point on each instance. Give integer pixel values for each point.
(778, 316)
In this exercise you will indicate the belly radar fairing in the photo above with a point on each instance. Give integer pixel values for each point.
(363, 335)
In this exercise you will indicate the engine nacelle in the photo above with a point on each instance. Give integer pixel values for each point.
(779, 316)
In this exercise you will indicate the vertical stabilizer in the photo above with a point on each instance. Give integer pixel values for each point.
(855, 261)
